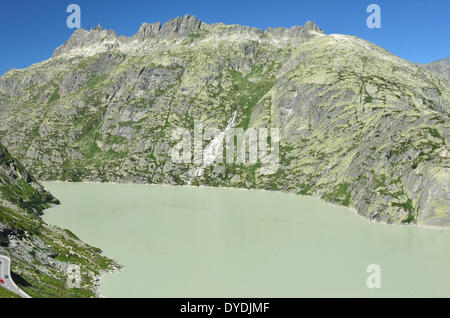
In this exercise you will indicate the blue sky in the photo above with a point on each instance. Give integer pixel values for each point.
(416, 30)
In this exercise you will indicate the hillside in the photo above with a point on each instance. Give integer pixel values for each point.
(441, 67)
(40, 253)
(359, 126)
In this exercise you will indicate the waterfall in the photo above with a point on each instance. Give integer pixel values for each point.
(209, 154)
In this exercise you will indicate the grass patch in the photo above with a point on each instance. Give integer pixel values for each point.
(4, 293)
(94, 80)
(246, 94)
(340, 195)
(54, 97)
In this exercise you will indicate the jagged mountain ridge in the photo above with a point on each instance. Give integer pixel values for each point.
(359, 126)
(99, 40)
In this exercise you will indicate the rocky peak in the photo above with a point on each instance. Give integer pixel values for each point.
(97, 28)
(295, 31)
(82, 38)
(311, 26)
(148, 31)
(178, 27)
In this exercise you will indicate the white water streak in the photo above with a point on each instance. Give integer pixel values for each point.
(211, 152)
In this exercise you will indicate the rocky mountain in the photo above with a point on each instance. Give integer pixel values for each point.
(441, 67)
(40, 253)
(358, 126)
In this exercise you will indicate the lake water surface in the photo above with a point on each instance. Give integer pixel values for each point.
(204, 242)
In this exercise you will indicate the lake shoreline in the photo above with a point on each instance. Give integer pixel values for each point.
(98, 279)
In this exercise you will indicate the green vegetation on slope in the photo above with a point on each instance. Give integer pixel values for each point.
(4, 293)
(40, 253)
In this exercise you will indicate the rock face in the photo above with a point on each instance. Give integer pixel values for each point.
(441, 67)
(40, 253)
(19, 188)
(358, 126)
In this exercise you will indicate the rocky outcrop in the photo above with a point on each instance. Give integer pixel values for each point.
(40, 253)
(148, 31)
(174, 29)
(96, 38)
(295, 31)
(441, 67)
(19, 188)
